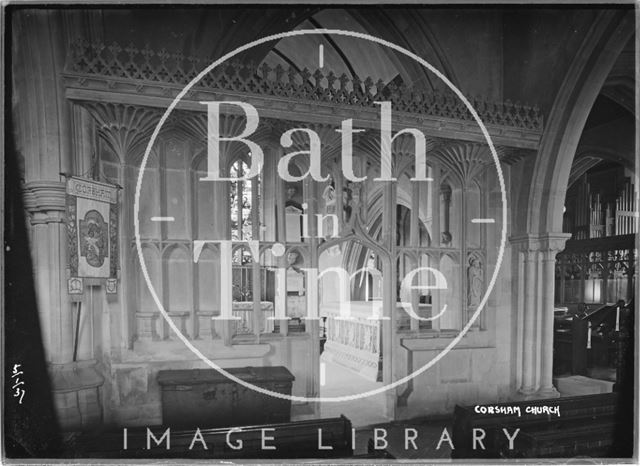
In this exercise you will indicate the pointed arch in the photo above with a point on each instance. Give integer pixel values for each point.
(587, 74)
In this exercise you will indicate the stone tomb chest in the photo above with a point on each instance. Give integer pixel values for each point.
(206, 398)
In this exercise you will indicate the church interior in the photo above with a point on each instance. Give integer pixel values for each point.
(325, 284)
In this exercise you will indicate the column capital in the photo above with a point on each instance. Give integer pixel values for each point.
(546, 242)
(554, 242)
(526, 242)
(45, 201)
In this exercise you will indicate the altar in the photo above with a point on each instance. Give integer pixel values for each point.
(354, 342)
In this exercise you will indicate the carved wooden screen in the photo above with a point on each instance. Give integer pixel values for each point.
(596, 271)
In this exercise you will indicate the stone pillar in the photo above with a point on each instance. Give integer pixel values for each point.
(414, 241)
(538, 284)
(389, 271)
(445, 193)
(529, 323)
(312, 326)
(551, 244)
(44, 139)
(45, 202)
(434, 198)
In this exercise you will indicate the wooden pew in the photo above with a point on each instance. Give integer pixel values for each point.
(571, 352)
(373, 453)
(596, 412)
(592, 440)
(291, 440)
(570, 345)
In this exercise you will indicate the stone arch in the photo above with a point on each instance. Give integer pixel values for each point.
(582, 84)
(603, 153)
(379, 24)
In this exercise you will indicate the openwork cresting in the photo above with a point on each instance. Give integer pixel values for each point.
(147, 65)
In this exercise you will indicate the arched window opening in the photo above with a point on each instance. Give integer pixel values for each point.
(241, 197)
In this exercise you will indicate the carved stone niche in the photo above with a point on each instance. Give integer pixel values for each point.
(180, 319)
(206, 329)
(147, 326)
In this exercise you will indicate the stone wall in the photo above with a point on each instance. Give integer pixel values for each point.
(136, 396)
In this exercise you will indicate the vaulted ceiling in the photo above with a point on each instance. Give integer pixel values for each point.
(497, 53)
(609, 134)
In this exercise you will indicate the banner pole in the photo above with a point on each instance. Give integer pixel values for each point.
(77, 335)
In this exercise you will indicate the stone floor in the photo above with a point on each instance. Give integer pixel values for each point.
(367, 414)
(575, 385)
(340, 381)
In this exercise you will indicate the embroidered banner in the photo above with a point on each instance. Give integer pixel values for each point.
(92, 232)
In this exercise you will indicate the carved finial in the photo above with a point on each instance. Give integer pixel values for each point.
(279, 72)
(343, 81)
(392, 88)
(131, 50)
(265, 69)
(147, 53)
(291, 73)
(115, 49)
(368, 84)
(331, 78)
(318, 76)
(236, 67)
(162, 55)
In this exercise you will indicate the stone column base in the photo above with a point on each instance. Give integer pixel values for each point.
(550, 392)
(539, 394)
(76, 394)
(206, 329)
